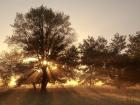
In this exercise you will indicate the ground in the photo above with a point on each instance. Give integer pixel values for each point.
(71, 96)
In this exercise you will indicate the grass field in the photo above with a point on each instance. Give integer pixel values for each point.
(71, 96)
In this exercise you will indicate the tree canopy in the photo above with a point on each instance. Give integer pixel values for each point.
(42, 32)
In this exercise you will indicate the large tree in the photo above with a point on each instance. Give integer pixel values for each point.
(43, 33)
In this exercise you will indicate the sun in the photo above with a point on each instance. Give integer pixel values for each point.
(44, 62)
(50, 65)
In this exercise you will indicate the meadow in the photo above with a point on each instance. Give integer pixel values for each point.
(71, 96)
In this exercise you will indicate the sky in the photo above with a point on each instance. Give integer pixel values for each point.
(88, 17)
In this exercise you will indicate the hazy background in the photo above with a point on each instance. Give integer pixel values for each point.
(88, 17)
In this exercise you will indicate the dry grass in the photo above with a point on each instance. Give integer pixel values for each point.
(71, 96)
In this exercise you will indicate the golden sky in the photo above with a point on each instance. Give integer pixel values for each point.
(88, 17)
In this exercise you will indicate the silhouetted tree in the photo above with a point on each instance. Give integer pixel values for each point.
(132, 69)
(69, 61)
(94, 53)
(118, 44)
(43, 33)
(134, 46)
(117, 59)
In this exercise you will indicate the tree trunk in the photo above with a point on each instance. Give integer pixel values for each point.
(44, 79)
(91, 77)
(90, 83)
(34, 86)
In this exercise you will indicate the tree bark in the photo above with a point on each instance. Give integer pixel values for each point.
(34, 86)
(44, 80)
(91, 77)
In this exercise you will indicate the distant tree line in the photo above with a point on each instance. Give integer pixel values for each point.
(119, 59)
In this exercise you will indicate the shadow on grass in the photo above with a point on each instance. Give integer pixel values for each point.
(62, 96)
(37, 98)
(24, 97)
